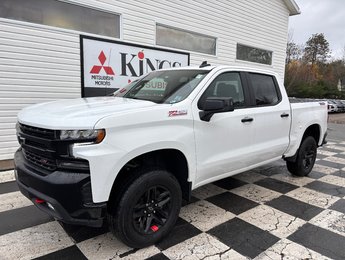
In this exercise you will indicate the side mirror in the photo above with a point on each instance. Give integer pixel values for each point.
(215, 105)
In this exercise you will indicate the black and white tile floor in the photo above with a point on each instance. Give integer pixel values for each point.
(263, 214)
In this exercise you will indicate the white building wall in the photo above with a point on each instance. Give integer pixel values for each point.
(37, 64)
(41, 63)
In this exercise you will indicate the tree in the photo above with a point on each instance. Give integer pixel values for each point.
(293, 52)
(316, 49)
(315, 75)
(343, 55)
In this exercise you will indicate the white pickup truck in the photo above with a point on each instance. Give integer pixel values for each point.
(133, 156)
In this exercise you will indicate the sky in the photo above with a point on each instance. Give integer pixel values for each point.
(320, 16)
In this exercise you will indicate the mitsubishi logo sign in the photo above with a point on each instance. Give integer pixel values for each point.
(108, 65)
(96, 68)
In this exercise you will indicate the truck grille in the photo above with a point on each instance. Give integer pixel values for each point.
(40, 161)
(43, 151)
(36, 131)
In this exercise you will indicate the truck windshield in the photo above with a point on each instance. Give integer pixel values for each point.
(163, 86)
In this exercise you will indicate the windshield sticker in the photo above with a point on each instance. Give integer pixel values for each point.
(178, 112)
(156, 84)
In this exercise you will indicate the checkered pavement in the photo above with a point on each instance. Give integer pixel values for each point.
(264, 213)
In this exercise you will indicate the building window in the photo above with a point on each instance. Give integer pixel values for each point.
(252, 54)
(63, 15)
(181, 39)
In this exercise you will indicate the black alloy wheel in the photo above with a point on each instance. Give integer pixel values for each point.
(152, 210)
(309, 157)
(305, 159)
(147, 208)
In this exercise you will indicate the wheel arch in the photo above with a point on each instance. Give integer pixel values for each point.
(313, 130)
(171, 159)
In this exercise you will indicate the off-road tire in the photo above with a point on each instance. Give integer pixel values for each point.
(123, 219)
(305, 158)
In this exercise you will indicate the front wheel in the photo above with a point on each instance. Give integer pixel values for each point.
(305, 158)
(147, 210)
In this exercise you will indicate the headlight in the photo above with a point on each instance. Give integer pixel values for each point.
(89, 135)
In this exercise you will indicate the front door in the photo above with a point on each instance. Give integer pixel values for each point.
(223, 143)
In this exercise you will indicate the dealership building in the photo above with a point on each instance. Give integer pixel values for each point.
(61, 49)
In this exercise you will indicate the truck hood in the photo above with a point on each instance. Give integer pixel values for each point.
(82, 113)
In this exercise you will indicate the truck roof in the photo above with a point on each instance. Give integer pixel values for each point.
(221, 67)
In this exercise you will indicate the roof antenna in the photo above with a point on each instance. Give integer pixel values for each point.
(204, 64)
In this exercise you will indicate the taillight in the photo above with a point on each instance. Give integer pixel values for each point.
(39, 201)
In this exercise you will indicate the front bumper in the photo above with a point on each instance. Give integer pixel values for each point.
(64, 195)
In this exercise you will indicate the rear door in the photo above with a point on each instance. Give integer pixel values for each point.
(271, 117)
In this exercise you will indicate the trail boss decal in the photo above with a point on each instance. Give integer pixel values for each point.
(111, 65)
(178, 112)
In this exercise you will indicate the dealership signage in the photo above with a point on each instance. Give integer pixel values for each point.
(109, 65)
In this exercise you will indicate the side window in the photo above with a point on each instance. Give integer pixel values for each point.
(264, 89)
(225, 85)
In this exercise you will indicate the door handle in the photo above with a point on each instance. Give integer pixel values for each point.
(247, 119)
(284, 115)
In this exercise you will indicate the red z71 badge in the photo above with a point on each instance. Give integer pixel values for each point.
(178, 113)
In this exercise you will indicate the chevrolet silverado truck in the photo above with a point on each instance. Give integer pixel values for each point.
(132, 157)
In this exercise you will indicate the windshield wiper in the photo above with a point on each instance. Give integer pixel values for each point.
(138, 98)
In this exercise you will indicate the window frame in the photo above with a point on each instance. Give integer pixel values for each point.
(246, 91)
(251, 89)
(253, 47)
(69, 30)
(186, 31)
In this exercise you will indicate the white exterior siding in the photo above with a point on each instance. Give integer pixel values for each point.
(37, 64)
(41, 63)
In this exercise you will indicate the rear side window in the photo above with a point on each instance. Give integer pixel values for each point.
(265, 90)
(225, 85)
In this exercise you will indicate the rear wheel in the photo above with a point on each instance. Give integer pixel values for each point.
(305, 158)
(147, 210)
